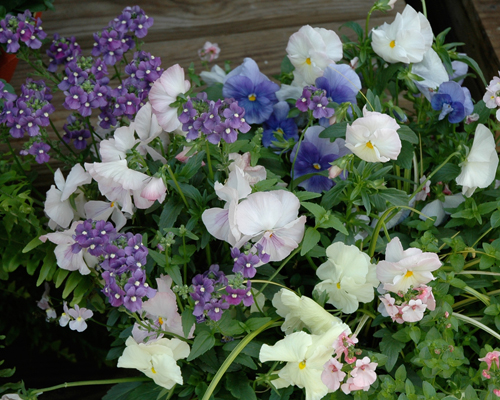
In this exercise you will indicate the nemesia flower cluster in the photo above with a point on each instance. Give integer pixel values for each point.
(242, 235)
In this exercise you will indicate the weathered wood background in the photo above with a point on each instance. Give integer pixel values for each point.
(259, 29)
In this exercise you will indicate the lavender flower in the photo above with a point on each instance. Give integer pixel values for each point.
(316, 100)
(62, 51)
(40, 150)
(22, 29)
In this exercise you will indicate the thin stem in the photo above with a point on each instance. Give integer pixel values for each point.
(171, 173)
(118, 75)
(185, 262)
(209, 162)
(60, 138)
(279, 269)
(424, 9)
(482, 236)
(476, 323)
(361, 323)
(89, 383)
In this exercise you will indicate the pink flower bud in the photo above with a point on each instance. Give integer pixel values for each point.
(334, 171)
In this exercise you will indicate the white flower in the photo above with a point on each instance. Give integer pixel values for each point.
(65, 257)
(79, 315)
(433, 72)
(348, 277)
(480, 166)
(216, 75)
(310, 50)
(251, 174)
(57, 205)
(271, 220)
(437, 207)
(156, 359)
(300, 312)
(404, 268)
(406, 40)
(414, 311)
(305, 355)
(374, 137)
(164, 92)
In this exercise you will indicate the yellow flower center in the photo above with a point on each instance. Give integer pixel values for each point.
(316, 166)
(369, 145)
(112, 204)
(160, 320)
(338, 285)
(153, 370)
(252, 97)
(409, 274)
(308, 61)
(392, 44)
(302, 364)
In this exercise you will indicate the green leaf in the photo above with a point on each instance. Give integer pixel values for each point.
(400, 373)
(158, 258)
(286, 66)
(447, 173)
(61, 275)
(391, 348)
(147, 391)
(473, 64)
(121, 391)
(188, 319)
(457, 262)
(255, 323)
(311, 238)
(170, 213)
(331, 221)
(214, 92)
(355, 27)
(35, 242)
(73, 280)
(303, 196)
(394, 196)
(495, 219)
(314, 209)
(48, 268)
(334, 131)
(405, 157)
(415, 334)
(203, 342)
(428, 389)
(239, 386)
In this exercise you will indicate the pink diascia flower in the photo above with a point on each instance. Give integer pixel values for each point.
(209, 52)
(413, 311)
(492, 356)
(374, 137)
(403, 269)
(164, 92)
(332, 374)
(342, 345)
(364, 373)
(497, 392)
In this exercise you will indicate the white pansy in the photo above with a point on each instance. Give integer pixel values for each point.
(348, 277)
(480, 166)
(156, 359)
(305, 355)
(300, 312)
(431, 69)
(406, 40)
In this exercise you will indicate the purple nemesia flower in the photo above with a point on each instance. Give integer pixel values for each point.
(218, 277)
(248, 299)
(253, 91)
(215, 308)
(203, 286)
(280, 123)
(246, 265)
(453, 101)
(234, 296)
(79, 315)
(40, 150)
(61, 51)
(315, 155)
(199, 304)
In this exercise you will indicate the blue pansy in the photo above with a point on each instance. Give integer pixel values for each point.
(340, 82)
(278, 122)
(253, 91)
(315, 155)
(453, 101)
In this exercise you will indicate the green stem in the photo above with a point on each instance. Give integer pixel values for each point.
(185, 262)
(476, 323)
(298, 147)
(60, 138)
(89, 383)
(236, 351)
(209, 162)
(361, 323)
(279, 269)
(424, 9)
(171, 392)
(171, 173)
(482, 236)
(485, 299)
(118, 75)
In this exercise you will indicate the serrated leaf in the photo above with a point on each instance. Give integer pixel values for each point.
(203, 342)
(311, 238)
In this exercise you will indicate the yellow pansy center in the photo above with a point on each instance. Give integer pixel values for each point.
(316, 166)
(308, 61)
(392, 44)
(302, 364)
(338, 285)
(252, 97)
(369, 145)
(160, 320)
(153, 370)
(409, 274)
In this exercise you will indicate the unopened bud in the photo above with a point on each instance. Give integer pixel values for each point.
(334, 171)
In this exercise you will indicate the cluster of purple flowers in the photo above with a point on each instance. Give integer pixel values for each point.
(115, 39)
(213, 293)
(122, 256)
(23, 28)
(29, 111)
(221, 119)
(76, 130)
(85, 85)
(316, 100)
(40, 151)
(132, 94)
(61, 51)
